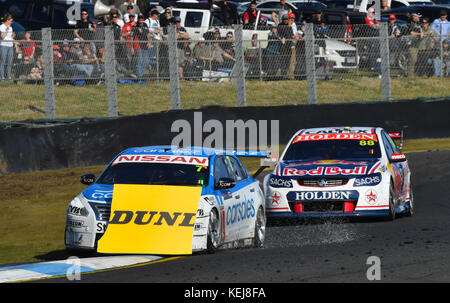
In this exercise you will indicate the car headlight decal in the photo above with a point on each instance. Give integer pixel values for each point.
(77, 208)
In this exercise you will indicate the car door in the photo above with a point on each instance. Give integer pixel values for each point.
(227, 198)
(245, 194)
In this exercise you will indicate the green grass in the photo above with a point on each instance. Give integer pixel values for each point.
(34, 205)
(25, 101)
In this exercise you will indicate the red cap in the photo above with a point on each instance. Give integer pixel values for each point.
(291, 15)
(392, 16)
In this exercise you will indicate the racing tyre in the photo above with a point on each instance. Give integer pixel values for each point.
(213, 236)
(260, 229)
(410, 211)
(79, 252)
(391, 216)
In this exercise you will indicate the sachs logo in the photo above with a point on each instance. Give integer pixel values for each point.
(153, 218)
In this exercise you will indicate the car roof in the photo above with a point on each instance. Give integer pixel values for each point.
(191, 151)
(339, 129)
(170, 150)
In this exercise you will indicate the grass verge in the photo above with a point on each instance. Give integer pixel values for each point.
(26, 101)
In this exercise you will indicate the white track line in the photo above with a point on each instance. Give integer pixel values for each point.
(41, 270)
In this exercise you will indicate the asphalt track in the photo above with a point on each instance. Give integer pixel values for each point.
(411, 249)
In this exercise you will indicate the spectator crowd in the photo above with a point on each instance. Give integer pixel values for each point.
(140, 50)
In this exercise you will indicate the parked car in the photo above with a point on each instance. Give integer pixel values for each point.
(404, 13)
(297, 6)
(363, 5)
(442, 3)
(35, 15)
(341, 4)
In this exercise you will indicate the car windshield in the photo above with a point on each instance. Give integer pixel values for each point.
(333, 150)
(156, 174)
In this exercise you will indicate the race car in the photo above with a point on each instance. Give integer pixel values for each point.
(166, 200)
(340, 172)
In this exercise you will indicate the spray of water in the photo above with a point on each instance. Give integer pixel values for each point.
(330, 231)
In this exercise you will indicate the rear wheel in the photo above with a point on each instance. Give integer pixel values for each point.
(213, 236)
(260, 228)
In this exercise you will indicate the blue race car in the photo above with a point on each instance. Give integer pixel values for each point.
(165, 200)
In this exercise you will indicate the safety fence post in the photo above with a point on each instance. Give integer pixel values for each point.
(110, 73)
(310, 63)
(240, 73)
(174, 73)
(47, 52)
(385, 63)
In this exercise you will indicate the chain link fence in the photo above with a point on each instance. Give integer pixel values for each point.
(57, 74)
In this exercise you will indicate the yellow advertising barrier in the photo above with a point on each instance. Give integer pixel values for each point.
(151, 219)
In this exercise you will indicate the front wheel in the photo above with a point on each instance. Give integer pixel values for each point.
(391, 216)
(410, 211)
(260, 228)
(213, 236)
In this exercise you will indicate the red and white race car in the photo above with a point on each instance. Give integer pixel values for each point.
(342, 172)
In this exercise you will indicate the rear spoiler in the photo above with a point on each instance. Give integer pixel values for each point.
(398, 135)
(247, 153)
(268, 160)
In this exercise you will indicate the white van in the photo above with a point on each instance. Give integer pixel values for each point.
(198, 20)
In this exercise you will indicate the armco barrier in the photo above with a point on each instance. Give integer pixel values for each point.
(95, 142)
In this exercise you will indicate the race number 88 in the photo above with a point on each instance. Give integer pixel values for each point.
(366, 142)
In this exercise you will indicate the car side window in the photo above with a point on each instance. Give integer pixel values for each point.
(243, 170)
(41, 12)
(393, 144)
(388, 144)
(217, 19)
(221, 169)
(236, 168)
(193, 19)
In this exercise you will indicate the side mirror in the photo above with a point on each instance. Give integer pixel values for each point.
(398, 158)
(87, 179)
(225, 183)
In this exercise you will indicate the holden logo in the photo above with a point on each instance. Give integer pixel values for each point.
(371, 196)
(275, 198)
(322, 182)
